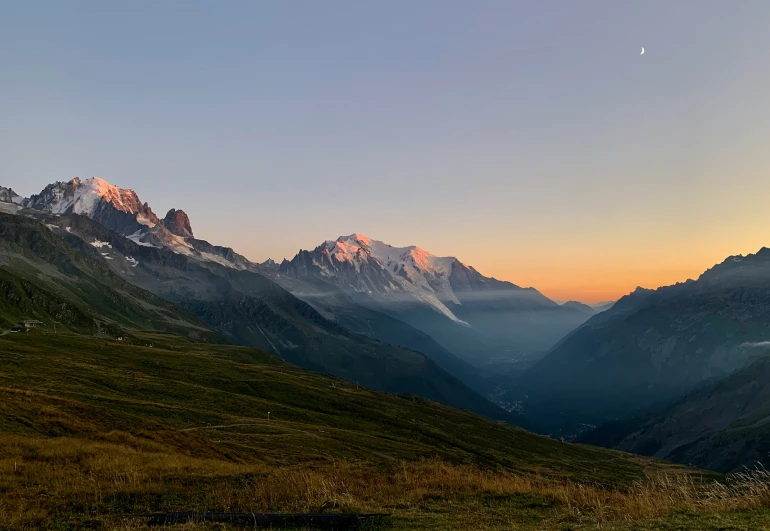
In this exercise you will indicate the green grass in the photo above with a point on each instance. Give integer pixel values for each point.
(179, 385)
(94, 432)
(686, 520)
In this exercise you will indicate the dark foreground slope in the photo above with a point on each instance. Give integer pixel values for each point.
(95, 432)
(721, 426)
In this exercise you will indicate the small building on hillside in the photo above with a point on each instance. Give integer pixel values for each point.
(30, 324)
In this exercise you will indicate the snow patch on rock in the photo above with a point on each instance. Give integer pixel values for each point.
(137, 239)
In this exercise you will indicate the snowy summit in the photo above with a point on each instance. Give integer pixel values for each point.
(374, 267)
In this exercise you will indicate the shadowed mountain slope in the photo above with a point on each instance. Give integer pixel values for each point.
(651, 347)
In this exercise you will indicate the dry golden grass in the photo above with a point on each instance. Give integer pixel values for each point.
(44, 482)
(664, 494)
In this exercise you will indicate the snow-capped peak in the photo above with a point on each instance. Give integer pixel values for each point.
(84, 197)
(89, 192)
(351, 248)
(389, 270)
(412, 259)
(121, 210)
(357, 236)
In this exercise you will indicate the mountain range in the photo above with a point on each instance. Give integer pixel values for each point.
(641, 374)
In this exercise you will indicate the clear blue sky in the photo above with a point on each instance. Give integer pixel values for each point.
(530, 139)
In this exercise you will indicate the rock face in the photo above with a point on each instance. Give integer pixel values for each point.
(270, 264)
(7, 195)
(178, 223)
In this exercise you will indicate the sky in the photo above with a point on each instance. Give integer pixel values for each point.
(529, 139)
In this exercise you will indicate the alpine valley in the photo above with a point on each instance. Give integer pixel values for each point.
(637, 374)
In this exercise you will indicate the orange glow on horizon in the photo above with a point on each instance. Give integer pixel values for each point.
(592, 288)
(590, 281)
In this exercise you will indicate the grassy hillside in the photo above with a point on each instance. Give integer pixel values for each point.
(94, 432)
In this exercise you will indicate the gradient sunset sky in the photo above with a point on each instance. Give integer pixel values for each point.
(529, 139)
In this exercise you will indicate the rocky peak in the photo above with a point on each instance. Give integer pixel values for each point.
(177, 222)
(7, 195)
(270, 264)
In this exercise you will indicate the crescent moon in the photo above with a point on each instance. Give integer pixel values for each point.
(642, 51)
